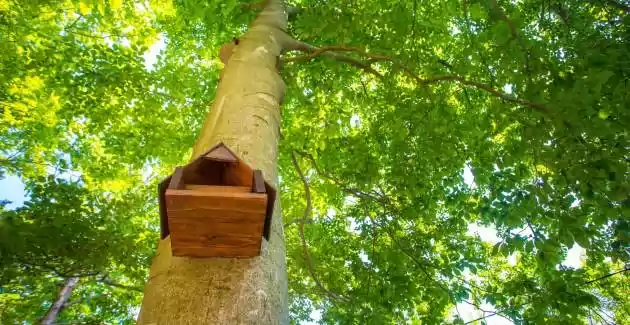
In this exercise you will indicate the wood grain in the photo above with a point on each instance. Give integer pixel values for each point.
(215, 221)
(216, 189)
(218, 251)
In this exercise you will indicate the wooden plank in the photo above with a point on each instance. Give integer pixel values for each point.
(258, 181)
(221, 153)
(177, 181)
(242, 251)
(207, 225)
(218, 189)
(233, 201)
(214, 241)
(224, 243)
(203, 227)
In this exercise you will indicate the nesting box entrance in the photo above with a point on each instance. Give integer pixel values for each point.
(216, 206)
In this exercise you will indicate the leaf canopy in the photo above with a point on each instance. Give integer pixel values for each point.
(506, 116)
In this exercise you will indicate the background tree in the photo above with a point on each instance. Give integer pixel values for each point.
(84, 250)
(384, 115)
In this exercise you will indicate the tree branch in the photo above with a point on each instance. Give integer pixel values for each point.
(617, 5)
(516, 35)
(606, 276)
(583, 284)
(509, 22)
(307, 216)
(54, 270)
(314, 52)
(480, 318)
(381, 199)
(62, 297)
(106, 280)
(486, 88)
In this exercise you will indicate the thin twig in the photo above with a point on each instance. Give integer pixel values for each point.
(383, 200)
(307, 216)
(534, 232)
(480, 318)
(106, 280)
(606, 276)
(516, 35)
(618, 5)
(585, 283)
(509, 22)
(73, 23)
(476, 45)
(297, 222)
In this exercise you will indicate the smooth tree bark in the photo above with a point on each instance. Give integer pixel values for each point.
(62, 298)
(245, 115)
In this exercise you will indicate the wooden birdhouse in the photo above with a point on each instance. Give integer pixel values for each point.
(216, 206)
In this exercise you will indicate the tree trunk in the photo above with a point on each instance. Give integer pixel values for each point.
(62, 299)
(245, 115)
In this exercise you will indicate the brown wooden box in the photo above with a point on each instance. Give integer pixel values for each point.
(216, 206)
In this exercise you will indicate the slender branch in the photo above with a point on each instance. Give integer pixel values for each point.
(307, 216)
(534, 231)
(54, 270)
(601, 317)
(617, 5)
(585, 283)
(297, 222)
(488, 89)
(509, 22)
(253, 6)
(66, 275)
(67, 28)
(606, 276)
(480, 318)
(516, 35)
(314, 52)
(476, 45)
(381, 199)
(109, 282)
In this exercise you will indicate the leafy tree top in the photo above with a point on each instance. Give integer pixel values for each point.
(387, 108)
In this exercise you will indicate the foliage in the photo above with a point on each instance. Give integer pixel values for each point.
(65, 231)
(538, 115)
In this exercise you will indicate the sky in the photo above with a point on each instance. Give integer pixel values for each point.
(12, 189)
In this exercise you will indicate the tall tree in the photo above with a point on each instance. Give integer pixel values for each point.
(405, 127)
(62, 300)
(72, 254)
(245, 115)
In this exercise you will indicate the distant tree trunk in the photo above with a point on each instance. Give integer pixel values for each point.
(245, 115)
(62, 298)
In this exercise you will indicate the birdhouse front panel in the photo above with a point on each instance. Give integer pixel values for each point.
(207, 221)
(216, 206)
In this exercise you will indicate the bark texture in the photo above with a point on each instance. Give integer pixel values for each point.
(62, 298)
(245, 115)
